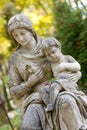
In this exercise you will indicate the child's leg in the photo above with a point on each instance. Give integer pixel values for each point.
(53, 92)
(44, 94)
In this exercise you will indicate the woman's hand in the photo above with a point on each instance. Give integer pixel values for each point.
(20, 90)
(37, 76)
(75, 76)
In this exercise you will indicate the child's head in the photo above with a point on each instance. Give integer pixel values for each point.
(52, 49)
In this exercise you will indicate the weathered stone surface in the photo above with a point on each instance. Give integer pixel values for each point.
(56, 105)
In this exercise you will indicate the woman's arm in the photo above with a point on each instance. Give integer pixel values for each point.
(23, 88)
(18, 87)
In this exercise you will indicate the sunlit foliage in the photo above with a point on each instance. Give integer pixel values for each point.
(39, 11)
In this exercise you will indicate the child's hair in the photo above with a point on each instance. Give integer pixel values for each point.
(51, 41)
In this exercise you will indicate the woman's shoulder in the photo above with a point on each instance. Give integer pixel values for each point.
(13, 57)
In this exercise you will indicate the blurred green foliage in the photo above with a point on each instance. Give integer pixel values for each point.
(71, 31)
(16, 121)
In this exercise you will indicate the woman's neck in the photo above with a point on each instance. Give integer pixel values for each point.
(32, 43)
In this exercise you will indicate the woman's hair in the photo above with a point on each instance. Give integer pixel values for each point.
(20, 20)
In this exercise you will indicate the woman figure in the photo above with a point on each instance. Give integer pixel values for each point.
(28, 70)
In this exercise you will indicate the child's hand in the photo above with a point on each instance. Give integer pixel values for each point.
(55, 84)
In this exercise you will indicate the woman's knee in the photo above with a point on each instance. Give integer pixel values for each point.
(66, 101)
(31, 119)
(30, 128)
(25, 128)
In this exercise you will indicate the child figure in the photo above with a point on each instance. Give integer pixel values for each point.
(66, 70)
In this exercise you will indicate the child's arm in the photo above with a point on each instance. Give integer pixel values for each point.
(71, 66)
(75, 65)
(68, 66)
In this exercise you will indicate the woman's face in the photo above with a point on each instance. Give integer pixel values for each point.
(22, 36)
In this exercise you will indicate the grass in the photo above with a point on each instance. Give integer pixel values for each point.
(16, 121)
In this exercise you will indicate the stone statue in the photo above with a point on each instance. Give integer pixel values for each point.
(31, 67)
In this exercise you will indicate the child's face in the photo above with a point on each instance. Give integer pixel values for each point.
(52, 53)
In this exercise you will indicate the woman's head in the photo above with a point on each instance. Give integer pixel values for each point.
(20, 21)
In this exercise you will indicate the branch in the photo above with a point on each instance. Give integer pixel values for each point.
(83, 5)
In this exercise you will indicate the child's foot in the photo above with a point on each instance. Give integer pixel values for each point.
(50, 107)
